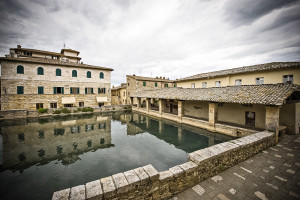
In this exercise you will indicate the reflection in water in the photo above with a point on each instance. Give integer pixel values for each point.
(60, 152)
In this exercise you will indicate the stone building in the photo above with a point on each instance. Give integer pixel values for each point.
(119, 95)
(32, 79)
(268, 73)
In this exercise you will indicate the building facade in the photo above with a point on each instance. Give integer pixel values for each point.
(268, 73)
(33, 79)
(119, 95)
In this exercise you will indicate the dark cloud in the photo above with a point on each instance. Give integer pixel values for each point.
(245, 12)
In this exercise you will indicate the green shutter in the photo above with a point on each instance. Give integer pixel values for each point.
(77, 90)
(54, 90)
(85, 90)
(62, 90)
(99, 90)
(92, 90)
(155, 84)
(103, 90)
(71, 90)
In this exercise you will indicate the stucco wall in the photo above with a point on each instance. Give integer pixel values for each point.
(287, 117)
(196, 109)
(235, 113)
(270, 77)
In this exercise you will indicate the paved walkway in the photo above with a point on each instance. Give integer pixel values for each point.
(272, 174)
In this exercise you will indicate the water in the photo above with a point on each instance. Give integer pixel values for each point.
(41, 156)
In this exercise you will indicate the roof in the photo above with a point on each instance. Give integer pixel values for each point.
(119, 87)
(268, 94)
(70, 50)
(53, 62)
(142, 78)
(245, 69)
(38, 51)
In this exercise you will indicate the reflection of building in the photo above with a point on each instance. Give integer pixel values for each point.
(119, 95)
(32, 143)
(32, 79)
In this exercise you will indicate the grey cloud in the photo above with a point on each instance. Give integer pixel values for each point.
(246, 12)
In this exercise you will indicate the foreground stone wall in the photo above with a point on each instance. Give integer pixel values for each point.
(147, 183)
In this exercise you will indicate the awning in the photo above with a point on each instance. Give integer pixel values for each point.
(68, 100)
(101, 99)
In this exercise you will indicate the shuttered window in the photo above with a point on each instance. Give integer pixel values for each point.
(89, 74)
(74, 73)
(58, 90)
(20, 90)
(74, 90)
(58, 72)
(40, 90)
(89, 90)
(40, 71)
(101, 75)
(20, 69)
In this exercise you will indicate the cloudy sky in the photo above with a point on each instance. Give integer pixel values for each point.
(172, 38)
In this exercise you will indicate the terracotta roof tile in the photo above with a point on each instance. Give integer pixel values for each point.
(268, 94)
(142, 78)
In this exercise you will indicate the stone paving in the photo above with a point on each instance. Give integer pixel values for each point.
(272, 174)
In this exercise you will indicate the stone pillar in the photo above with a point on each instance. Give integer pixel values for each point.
(180, 110)
(138, 103)
(161, 106)
(148, 122)
(147, 104)
(179, 133)
(131, 101)
(160, 127)
(212, 113)
(272, 119)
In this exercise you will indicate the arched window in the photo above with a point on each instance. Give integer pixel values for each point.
(20, 69)
(40, 71)
(74, 73)
(89, 74)
(101, 75)
(58, 72)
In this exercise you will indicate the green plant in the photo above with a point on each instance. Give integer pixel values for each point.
(56, 112)
(42, 110)
(75, 111)
(79, 109)
(88, 109)
(65, 110)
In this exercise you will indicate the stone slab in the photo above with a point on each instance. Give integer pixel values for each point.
(140, 172)
(108, 186)
(152, 172)
(177, 171)
(166, 176)
(133, 179)
(188, 167)
(94, 190)
(121, 183)
(61, 195)
(77, 193)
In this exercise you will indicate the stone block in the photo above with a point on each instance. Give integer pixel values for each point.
(176, 171)
(188, 167)
(94, 190)
(196, 158)
(77, 193)
(121, 183)
(152, 172)
(61, 195)
(142, 175)
(133, 179)
(165, 176)
(108, 186)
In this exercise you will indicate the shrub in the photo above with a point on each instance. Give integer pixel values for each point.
(88, 109)
(42, 110)
(57, 112)
(79, 109)
(75, 111)
(65, 110)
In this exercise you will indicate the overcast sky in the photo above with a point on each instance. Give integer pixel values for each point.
(172, 38)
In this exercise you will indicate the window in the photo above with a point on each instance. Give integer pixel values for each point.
(20, 69)
(89, 90)
(53, 105)
(155, 84)
(238, 82)
(21, 137)
(74, 73)
(68, 105)
(124, 94)
(89, 74)
(39, 105)
(175, 85)
(81, 104)
(20, 90)
(166, 85)
(59, 131)
(128, 84)
(75, 129)
(89, 127)
(218, 83)
(40, 90)
(58, 90)
(250, 118)
(102, 91)
(74, 90)
(204, 84)
(100, 104)
(58, 72)
(102, 141)
(102, 126)
(101, 75)
(288, 79)
(144, 83)
(259, 81)
(193, 85)
(40, 71)
(41, 134)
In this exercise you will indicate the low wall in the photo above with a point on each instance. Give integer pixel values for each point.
(11, 114)
(147, 183)
(220, 128)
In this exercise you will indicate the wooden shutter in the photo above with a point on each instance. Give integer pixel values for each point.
(71, 90)
(62, 90)
(92, 90)
(77, 90)
(54, 90)
(85, 90)
(99, 90)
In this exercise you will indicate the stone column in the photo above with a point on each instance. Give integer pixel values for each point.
(148, 122)
(131, 101)
(179, 133)
(160, 127)
(180, 110)
(212, 113)
(138, 103)
(161, 106)
(147, 104)
(272, 119)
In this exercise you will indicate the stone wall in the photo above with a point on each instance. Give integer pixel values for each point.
(147, 183)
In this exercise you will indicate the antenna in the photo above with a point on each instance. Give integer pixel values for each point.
(64, 45)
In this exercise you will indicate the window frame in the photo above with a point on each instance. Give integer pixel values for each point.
(238, 82)
(20, 89)
(219, 82)
(40, 71)
(74, 73)
(204, 84)
(193, 85)
(88, 74)
(40, 89)
(20, 69)
(101, 75)
(259, 80)
(289, 76)
(58, 72)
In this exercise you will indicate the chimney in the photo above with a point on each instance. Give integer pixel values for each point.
(133, 75)
(164, 78)
(19, 46)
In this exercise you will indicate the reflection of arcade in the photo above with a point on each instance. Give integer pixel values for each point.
(41, 142)
(165, 129)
